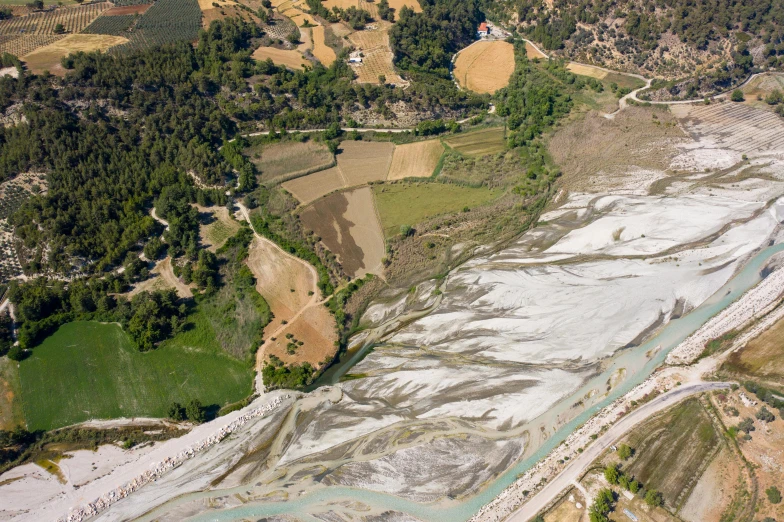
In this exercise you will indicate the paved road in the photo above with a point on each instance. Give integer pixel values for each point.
(577, 467)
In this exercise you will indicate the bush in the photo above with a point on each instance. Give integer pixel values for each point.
(624, 451)
(746, 425)
(737, 96)
(612, 475)
(774, 495)
(176, 412)
(16, 353)
(195, 412)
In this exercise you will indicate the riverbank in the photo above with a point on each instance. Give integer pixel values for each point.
(524, 499)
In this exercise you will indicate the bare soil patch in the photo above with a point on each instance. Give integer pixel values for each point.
(348, 226)
(277, 274)
(321, 51)
(485, 66)
(127, 9)
(285, 57)
(317, 332)
(762, 357)
(48, 58)
(598, 154)
(364, 161)
(415, 160)
(313, 186)
(714, 490)
(289, 159)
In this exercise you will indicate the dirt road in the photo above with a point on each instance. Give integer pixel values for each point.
(578, 466)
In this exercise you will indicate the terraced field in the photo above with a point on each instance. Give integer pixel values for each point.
(286, 160)
(478, 143)
(415, 160)
(734, 126)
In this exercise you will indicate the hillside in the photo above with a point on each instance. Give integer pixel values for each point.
(698, 47)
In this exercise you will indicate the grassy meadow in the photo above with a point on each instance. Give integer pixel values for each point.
(408, 204)
(89, 370)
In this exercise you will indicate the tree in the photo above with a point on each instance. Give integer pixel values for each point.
(653, 498)
(774, 495)
(16, 353)
(406, 230)
(775, 97)
(765, 415)
(195, 412)
(624, 451)
(611, 474)
(746, 425)
(59, 29)
(634, 486)
(154, 248)
(737, 96)
(176, 412)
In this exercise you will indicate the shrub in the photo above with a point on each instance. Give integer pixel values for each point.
(624, 451)
(737, 96)
(653, 498)
(611, 474)
(747, 425)
(194, 411)
(765, 415)
(774, 495)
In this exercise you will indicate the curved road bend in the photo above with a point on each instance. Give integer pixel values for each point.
(576, 467)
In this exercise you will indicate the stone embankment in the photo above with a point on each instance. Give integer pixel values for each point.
(159, 469)
(756, 303)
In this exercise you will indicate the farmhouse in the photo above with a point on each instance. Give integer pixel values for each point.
(483, 30)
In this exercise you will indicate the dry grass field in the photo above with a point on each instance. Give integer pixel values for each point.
(342, 4)
(532, 52)
(478, 143)
(348, 226)
(567, 511)
(287, 58)
(282, 280)
(313, 186)
(217, 226)
(363, 161)
(48, 58)
(485, 66)
(761, 358)
(289, 159)
(321, 51)
(412, 4)
(377, 60)
(415, 160)
(761, 87)
(340, 29)
(206, 5)
(74, 19)
(586, 70)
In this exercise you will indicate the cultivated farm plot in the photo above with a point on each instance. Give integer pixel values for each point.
(48, 58)
(123, 10)
(761, 87)
(411, 4)
(411, 203)
(313, 186)
(60, 379)
(289, 159)
(321, 51)
(478, 143)
(348, 226)
(415, 160)
(673, 450)
(485, 66)
(283, 281)
(24, 44)
(373, 42)
(363, 161)
(315, 329)
(11, 412)
(74, 19)
(285, 57)
(13, 194)
(116, 25)
(167, 21)
(733, 126)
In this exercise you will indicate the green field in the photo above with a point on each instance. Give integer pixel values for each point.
(478, 143)
(89, 370)
(410, 203)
